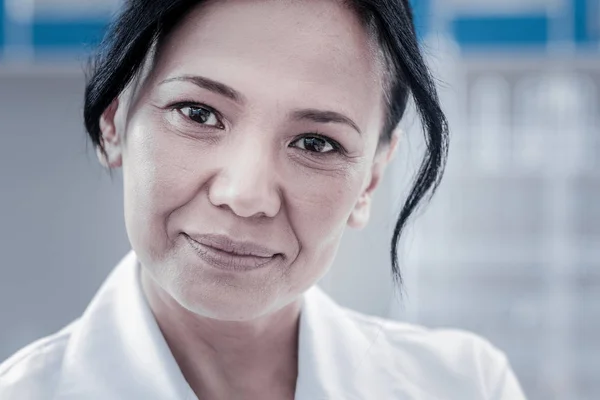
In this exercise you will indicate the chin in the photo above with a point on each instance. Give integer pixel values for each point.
(222, 300)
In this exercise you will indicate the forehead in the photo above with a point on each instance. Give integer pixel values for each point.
(316, 50)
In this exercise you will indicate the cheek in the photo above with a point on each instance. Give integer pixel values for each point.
(319, 209)
(322, 207)
(323, 198)
(158, 179)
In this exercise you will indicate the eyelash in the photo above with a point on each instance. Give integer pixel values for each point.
(337, 148)
(182, 104)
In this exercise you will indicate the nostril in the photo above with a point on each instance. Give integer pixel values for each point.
(244, 196)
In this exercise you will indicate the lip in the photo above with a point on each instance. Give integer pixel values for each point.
(226, 253)
(230, 245)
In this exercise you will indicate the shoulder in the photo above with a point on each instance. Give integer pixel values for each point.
(32, 372)
(450, 342)
(456, 360)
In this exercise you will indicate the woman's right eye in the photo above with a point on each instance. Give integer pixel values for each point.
(200, 114)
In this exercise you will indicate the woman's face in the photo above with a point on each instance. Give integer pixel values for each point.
(259, 122)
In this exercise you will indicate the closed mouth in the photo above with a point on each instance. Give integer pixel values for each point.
(228, 260)
(229, 245)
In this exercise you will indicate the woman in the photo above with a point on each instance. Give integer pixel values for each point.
(250, 133)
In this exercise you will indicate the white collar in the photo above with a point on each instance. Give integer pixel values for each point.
(118, 352)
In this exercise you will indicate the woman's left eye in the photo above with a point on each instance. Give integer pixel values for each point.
(317, 144)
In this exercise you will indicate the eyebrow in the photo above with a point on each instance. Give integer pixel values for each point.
(210, 85)
(324, 117)
(311, 114)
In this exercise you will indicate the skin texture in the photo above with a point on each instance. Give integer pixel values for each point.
(249, 171)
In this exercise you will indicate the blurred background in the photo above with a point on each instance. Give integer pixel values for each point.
(509, 247)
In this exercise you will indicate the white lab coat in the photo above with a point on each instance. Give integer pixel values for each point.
(115, 351)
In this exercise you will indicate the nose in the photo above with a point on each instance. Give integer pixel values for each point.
(246, 182)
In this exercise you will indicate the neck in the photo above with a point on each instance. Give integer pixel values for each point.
(230, 359)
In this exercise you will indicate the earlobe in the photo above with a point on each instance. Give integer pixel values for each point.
(110, 139)
(361, 213)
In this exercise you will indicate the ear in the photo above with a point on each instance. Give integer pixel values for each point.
(362, 209)
(110, 138)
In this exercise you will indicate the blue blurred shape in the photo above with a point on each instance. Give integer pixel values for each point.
(1, 25)
(422, 15)
(501, 31)
(68, 35)
(582, 14)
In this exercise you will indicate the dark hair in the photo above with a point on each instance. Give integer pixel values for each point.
(142, 23)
